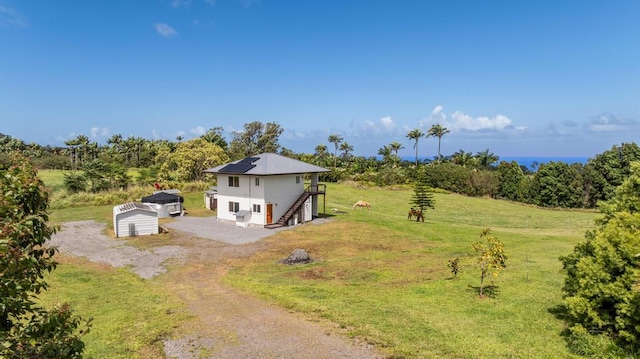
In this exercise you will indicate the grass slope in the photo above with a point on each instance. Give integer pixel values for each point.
(384, 278)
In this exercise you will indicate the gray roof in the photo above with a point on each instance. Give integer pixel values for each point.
(132, 206)
(266, 164)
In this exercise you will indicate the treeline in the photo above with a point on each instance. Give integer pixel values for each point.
(94, 167)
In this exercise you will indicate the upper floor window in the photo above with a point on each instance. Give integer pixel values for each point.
(257, 181)
(297, 179)
(234, 181)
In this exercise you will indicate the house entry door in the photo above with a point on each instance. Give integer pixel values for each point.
(269, 213)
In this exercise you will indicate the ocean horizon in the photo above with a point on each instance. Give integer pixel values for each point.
(527, 161)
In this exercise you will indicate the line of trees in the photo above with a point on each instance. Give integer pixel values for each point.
(554, 184)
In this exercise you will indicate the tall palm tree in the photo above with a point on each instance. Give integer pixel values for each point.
(336, 139)
(73, 149)
(83, 145)
(415, 135)
(395, 147)
(438, 130)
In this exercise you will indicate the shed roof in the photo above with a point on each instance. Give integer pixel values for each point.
(266, 164)
(162, 198)
(127, 207)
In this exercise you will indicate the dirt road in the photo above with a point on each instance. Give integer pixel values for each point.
(229, 323)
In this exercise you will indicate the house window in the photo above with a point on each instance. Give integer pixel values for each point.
(234, 181)
(297, 179)
(234, 207)
(256, 208)
(257, 181)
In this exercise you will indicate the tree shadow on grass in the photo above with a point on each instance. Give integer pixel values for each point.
(489, 291)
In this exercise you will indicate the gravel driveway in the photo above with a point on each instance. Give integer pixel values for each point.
(85, 239)
(224, 231)
(229, 324)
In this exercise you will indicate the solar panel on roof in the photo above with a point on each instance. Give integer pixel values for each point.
(241, 166)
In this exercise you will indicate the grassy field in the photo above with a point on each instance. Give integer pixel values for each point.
(384, 278)
(130, 316)
(381, 277)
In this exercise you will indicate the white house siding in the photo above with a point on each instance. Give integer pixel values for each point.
(282, 191)
(143, 223)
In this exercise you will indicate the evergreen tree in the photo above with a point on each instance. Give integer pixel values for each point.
(602, 274)
(422, 197)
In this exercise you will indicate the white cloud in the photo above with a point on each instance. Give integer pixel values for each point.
(165, 30)
(199, 131)
(464, 122)
(210, 2)
(11, 17)
(609, 123)
(99, 132)
(437, 116)
(180, 133)
(155, 135)
(387, 123)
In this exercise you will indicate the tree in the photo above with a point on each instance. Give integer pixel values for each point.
(491, 257)
(438, 130)
(346, 150)
(422, 197)
(26, 329)
(336, 139)
(462, 158)
(190, 159)
(607, 171)
(486, 159)
(395, 147)
(602, 273)
(214, 135)
(256, 138)
(557, 184)
(415, 135)
(512, 181)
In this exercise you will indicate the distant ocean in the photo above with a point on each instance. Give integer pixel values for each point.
(527, 161)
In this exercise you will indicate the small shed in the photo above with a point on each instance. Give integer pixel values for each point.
(134, 219)
(242, 218)
(211, 199)
(165, 203)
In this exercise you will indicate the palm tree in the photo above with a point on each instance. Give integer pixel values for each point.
(395, 147)
(385, 152)
(336, 139)
(73, 148)
(486, 158)
(83, 144)
(415, 135)
(463, 158)
(321, 150)
(438, 130)
(346, 148)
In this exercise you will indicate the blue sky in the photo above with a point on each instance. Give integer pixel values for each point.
(522, 78)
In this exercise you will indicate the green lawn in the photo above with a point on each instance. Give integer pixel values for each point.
(384, 278)
(381, 277)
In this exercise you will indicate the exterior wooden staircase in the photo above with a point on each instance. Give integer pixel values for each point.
(292, 210)
(310, 190)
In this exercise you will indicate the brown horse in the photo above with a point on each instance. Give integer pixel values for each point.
(362, 204)
(416, 213)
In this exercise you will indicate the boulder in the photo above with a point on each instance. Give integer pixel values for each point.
(297, 256)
